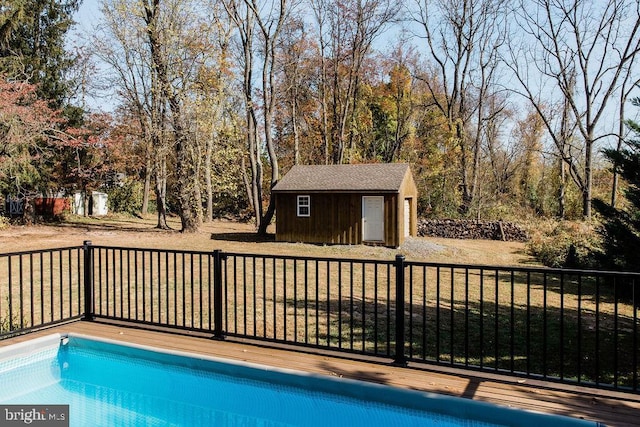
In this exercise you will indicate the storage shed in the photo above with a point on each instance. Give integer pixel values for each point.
(51, 206)
(98, 205)
(347, 204)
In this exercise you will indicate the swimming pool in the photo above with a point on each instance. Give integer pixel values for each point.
(108, 383)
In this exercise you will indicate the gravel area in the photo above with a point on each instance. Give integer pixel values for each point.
(416, 247)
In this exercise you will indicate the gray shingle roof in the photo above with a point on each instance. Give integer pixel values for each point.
(381, 177)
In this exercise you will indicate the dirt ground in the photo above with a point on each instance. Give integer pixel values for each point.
(238, 237)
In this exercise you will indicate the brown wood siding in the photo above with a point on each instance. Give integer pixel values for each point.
(391, 220)
(51, 206)
(335, 219)
(408, 190)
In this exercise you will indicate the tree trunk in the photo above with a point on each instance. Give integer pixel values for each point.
(196, 195)
(323, 106)
(614, 184)
(588, 179)
(207, 180)
(147, 185)
(296, 132)
(467, 196)
(85, 201)
(186, 177)
(268, 98)
(185, 168)
(161, 192)
(256, 166)
(247, 183)
(246, 27)
(268, 217)
(561, 190)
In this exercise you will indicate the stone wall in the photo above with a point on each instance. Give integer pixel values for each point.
(470, 229)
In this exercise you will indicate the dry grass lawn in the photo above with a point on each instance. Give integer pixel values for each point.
(240, 237)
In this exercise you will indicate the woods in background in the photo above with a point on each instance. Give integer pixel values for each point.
(502, 110)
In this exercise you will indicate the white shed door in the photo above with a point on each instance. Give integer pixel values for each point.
(373, 218)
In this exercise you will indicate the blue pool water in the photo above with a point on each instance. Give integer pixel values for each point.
(112, 384)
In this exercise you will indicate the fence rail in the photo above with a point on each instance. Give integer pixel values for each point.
(571, 326)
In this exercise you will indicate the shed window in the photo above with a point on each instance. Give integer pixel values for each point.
(304, 205)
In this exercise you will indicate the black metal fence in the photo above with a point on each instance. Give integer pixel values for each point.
(40, 288)
(566, 325)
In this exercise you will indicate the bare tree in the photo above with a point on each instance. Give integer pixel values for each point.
(346, 31)
(270, 21)
(210, 103)
(463, 40)
(502, 156)
(260, 23)
(575, 53)
(120, 43)
(295, 57)
(528, 137)
(243, 18)
(403, 95)
(177, 50)
(321, 10)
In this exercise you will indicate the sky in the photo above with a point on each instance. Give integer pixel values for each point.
(87, 15)
(87, 18)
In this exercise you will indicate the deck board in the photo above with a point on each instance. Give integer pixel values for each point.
(610, 408)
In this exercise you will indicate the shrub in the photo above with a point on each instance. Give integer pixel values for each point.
(566, 244)
(126, 198)
(8, 324)
(621, 226)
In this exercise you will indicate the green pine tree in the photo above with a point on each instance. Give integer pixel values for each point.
(32, 45)
(621, 231)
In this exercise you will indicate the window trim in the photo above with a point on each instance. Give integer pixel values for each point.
(300, 205)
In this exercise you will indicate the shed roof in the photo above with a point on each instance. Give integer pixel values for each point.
(369, 177)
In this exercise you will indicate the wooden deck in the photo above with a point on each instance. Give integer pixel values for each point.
(610, 408)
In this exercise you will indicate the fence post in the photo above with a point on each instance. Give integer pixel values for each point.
(88, 280)
(399, 358)
(218, 257)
